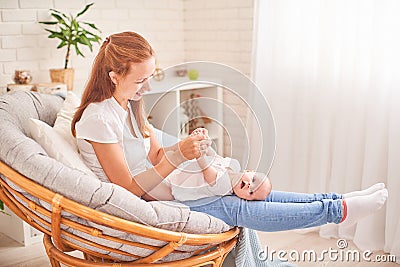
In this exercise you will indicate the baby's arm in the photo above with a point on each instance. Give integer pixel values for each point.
(204, 162)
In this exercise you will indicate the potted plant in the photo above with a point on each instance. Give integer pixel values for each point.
(2, 208)
(72, 33)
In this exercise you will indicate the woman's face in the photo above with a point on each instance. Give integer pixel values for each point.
(134, 84)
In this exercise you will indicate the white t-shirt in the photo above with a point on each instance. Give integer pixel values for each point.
(187, 181)
(106, 122)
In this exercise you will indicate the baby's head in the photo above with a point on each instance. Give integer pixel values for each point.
(252, 185)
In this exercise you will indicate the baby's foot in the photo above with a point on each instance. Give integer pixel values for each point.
(201, 131)
(369, 190)
(360, 206)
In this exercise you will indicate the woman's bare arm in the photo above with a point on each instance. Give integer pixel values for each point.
(160, 192)
(112, 160)
(157, 152)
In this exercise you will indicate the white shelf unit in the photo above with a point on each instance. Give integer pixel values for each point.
(15, 228)
(165, 108)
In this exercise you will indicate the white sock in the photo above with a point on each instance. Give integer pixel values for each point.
(369, 190)
(360, 206)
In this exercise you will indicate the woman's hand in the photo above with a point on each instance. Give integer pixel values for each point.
(190, 146)
(205, 144)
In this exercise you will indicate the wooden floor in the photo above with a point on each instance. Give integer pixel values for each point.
(14, 255)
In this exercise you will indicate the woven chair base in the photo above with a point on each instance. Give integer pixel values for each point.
(212, 248)
(214, 258)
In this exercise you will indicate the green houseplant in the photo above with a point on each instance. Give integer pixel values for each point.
(72, 34)
(2, 208)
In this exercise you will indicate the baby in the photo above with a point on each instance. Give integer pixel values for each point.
(211, 175)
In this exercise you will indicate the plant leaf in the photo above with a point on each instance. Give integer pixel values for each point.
(85, 9)
(78, 52)
(66, 32)
(48, 22)
(54, 34)
(91, 25)
(95, 39)
(62, 44)
(75, 25)
(59, 18)
(86, 41)
(62, 14)
(93, 35)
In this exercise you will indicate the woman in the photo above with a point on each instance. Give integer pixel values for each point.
(115, 140)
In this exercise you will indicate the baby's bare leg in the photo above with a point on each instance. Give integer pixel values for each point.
(210, 151)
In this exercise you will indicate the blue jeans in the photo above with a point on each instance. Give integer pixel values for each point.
(280, 211)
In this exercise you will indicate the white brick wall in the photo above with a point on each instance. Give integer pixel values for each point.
(179, 30)
(222, 31)
(219, 31)
(24, 43)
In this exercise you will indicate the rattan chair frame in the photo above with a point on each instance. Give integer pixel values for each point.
(213, 247)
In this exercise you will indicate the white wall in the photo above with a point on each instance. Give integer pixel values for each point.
(219, 31)
(222, 31)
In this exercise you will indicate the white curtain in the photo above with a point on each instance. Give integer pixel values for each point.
(331, 73)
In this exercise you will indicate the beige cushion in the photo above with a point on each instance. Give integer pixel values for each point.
(56, 146)
(62, 124)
